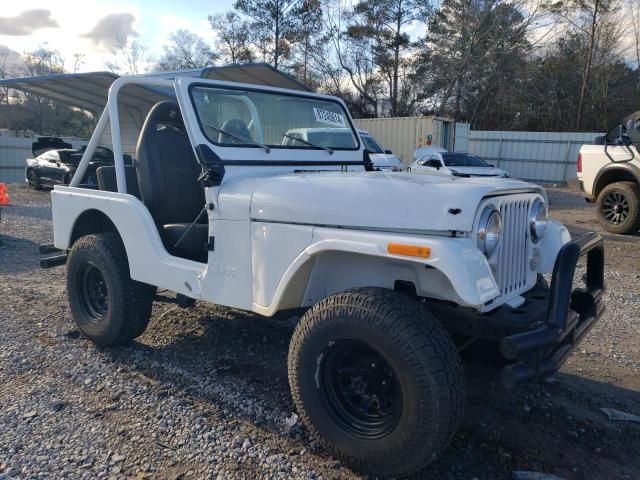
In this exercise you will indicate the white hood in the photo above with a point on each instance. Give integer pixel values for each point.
(369, 200)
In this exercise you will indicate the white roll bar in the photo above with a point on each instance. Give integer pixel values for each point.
(110, 116)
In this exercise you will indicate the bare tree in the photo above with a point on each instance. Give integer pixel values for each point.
(10, 66)
(587, 17)
(186, 50)
(78, 61)
(307, 34)
(633, 14)
(384, 23)
(273, 22)
(234, 37)
(130, 60)
(471, 49)
(354, 57)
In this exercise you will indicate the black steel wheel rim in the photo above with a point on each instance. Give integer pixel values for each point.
(360, 390)
(32, 179)
(94, 292)
(615, 207)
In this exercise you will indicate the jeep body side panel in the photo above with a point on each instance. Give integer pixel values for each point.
(259, 277)
(225, 279)
(275, 248)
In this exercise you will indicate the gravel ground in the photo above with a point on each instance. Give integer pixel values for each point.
(204, 394)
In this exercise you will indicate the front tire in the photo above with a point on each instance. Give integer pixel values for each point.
(377, 380)
(107, 305)
(618, 206)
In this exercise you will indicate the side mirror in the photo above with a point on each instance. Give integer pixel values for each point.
(614, 136)
(388, 152)
(434, 164)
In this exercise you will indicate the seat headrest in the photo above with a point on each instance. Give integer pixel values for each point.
(164, 113)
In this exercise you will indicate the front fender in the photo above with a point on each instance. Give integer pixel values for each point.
(455, 270)
(556, 235)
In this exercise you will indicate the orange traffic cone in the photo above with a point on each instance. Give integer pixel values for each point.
(4, 196)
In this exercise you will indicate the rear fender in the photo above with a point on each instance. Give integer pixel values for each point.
(149, 261)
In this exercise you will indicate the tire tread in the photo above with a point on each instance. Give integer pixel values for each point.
(632, 191)
(408, 324)
(137, 297)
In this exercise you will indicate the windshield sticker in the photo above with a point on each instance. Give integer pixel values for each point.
(330, 118)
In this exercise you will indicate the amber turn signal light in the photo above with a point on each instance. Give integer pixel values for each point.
(408, 250)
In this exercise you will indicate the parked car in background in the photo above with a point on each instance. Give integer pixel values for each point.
(609, 175)
(56, 166)
(438, 161)
(322, 137)
(381, 158)
(44, 144)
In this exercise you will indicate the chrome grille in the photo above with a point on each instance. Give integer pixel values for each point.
(511, 262)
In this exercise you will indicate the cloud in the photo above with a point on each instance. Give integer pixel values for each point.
(27, 22)
(112, 32)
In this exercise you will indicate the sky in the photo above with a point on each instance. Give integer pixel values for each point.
(93, 27)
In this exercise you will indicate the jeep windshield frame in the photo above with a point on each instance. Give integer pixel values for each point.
(237, 156)
(261, 107)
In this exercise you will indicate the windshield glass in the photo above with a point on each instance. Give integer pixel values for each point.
(332, 138)
(231, 117)
(371, 144)
(463, 160)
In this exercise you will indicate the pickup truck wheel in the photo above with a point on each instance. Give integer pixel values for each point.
(377, 380)
(107, 305)
(618, 207)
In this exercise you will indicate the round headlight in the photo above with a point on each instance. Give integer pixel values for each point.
(538, 218)
(489, 230)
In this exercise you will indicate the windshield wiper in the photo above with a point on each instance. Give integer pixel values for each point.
(237, 137)
(330, 150)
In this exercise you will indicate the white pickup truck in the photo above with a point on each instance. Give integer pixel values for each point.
(393, 273)
(609, 175)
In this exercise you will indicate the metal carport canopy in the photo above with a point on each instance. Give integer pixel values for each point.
(89, 91)
(255, 73)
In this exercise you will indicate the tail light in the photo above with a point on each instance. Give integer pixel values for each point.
(579, 163)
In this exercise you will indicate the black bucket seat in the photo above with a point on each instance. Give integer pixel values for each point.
(168, 173)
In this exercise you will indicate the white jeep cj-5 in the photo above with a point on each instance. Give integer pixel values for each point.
(395, 272)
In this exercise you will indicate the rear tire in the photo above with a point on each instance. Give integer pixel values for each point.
(618, 207)
(107, 305)
(33, 180)
(377, 380)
